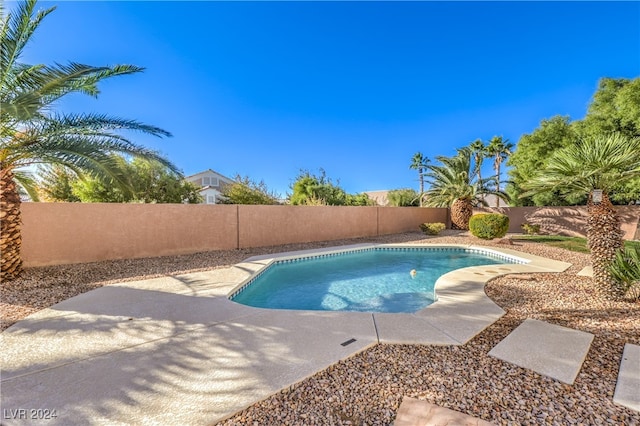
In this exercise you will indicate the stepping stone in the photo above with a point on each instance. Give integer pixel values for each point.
(551, 350)
(587, 271)
(628, 386)
(413, 412)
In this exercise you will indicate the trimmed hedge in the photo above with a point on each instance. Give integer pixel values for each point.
(433, 228)
(489, 225)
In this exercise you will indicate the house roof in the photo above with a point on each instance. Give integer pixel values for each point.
(209, 171)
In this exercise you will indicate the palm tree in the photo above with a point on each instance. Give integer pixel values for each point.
(479, 151)
(419, 163)
(453, 185)
(31, 133)
(594, 167)
(499, 149)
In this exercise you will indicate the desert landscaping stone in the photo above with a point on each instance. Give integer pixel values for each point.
(551, 350)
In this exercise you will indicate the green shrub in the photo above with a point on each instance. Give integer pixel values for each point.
(489, 225)
(403, 198)
(530, 229)
(433, 228)
(625, 270)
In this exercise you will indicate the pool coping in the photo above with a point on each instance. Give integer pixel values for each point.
(461, 310)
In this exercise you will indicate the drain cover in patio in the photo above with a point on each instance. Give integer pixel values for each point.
(551, 350)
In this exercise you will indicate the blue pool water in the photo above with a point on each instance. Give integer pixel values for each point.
(376, 280)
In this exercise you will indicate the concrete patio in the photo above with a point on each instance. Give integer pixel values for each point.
(176, 347)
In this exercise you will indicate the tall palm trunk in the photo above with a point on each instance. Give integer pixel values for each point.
(482, 196)
(10, 222)
(604, 237)
(461, 212)
(479, 166)
(421, 177)
(498, 181)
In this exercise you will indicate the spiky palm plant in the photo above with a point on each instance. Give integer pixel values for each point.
(594, 166)
(453, 185)
(32, 133)
(500, 149)
(625, 269)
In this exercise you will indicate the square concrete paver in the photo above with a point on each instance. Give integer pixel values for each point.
(413, 412)
(628, 386)
(551, 350)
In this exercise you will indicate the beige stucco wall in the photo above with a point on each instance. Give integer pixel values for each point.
(393, 220)
(59, 233)
(571, 221)
(272, 225)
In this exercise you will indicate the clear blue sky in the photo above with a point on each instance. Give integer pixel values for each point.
(265, 89)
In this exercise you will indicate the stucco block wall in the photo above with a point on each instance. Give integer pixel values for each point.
(393, 220)
(273, 225)
(570, 221)
(60, 233)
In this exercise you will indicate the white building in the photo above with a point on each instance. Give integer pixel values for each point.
(210, 183)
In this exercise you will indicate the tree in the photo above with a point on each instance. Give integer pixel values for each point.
(615, 107)
(153, 182)
(31, 133)
(361, 199)
(98, 189)
(419, 163)
(403, 198)
(627, 192)
(531, 155)
(453, 185)
(310, 189)
(319, 190)
(56, 184)
(499, 149)
(147, 182)
(246, 191)
(479, 151)
(594, 166)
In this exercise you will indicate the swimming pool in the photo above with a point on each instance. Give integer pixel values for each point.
(380, 279)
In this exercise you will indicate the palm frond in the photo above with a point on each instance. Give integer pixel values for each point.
(598, 163)
(28, 183)
(31, 134)
(455, 179)
(30, 89)
(17, 29)
(89, 123)
(60, 80)
(64, 135)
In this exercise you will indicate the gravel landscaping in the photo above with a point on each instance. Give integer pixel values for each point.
(368, 387)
